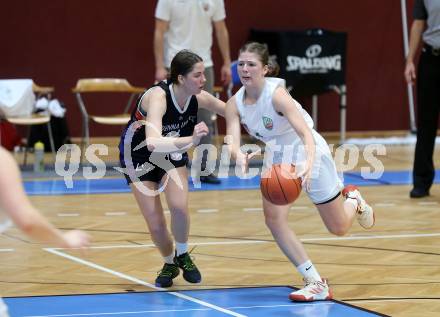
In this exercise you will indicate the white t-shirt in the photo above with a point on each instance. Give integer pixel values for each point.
(190, 26)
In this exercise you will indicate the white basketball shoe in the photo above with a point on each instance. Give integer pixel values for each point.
(365, 214)
(312, 291)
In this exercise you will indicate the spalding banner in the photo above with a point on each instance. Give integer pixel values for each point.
(311, 61)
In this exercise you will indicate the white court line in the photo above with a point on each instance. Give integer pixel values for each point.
(130, 278)
(427, 203)
(68, 214)
(252, 209)
(352, 238)
(384, 205)
(299, 207)
(116, 213)
(153, 246)
(138, 281)
(7, 250)
(207, 210)
(393, 236)
(286, 305)
(123, 312)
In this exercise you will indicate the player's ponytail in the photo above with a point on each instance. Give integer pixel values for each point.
(262, 51)
(273, 66)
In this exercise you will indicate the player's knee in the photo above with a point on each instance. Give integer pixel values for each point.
(338, 230)
(179, 211)
(272, 221)
(157, 228)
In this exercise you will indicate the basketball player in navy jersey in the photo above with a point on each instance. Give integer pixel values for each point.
(153, 155)
(271, 115)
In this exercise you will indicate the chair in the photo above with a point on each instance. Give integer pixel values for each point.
(235, 79)
(217, 90)
(35, 118)
(102, 85)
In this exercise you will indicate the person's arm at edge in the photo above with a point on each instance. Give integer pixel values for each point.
(222, 35)
(415, 37)
(16, 204)
(161, 26)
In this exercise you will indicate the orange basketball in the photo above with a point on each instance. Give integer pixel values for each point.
(279, 186)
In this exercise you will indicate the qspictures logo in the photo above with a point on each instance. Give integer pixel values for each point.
(346, 158)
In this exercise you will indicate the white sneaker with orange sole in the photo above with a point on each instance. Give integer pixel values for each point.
(365, 214)
(312, 291)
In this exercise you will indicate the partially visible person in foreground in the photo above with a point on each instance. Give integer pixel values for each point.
(15, 207)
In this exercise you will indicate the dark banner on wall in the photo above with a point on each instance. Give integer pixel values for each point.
(310, 61)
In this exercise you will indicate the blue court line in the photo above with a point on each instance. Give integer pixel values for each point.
(118, 185)
(391, 178)
(253, 301)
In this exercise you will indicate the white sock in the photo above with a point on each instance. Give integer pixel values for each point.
(308, 270)
(181, 248)
(169, 258)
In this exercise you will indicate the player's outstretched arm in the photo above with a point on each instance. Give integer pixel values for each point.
(15, 203)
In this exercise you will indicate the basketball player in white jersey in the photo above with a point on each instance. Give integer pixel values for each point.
(16, 208)
(269, 113)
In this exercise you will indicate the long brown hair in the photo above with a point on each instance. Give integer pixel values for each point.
(183, 63)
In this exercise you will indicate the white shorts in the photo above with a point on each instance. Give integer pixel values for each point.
(325, 182)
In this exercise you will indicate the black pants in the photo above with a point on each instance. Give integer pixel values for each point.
(428, 106)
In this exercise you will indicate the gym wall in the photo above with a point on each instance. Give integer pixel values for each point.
(57, 42)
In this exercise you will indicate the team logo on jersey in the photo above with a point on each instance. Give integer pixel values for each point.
(268, 123)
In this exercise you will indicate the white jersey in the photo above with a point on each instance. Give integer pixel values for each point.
(262, 121)
(283, 144)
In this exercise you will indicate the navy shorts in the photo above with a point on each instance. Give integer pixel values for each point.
(151, 167)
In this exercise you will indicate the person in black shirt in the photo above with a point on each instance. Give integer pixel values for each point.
(153, 156)
(426, 27)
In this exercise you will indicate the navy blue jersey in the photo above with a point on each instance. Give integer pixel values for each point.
(175, 122)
